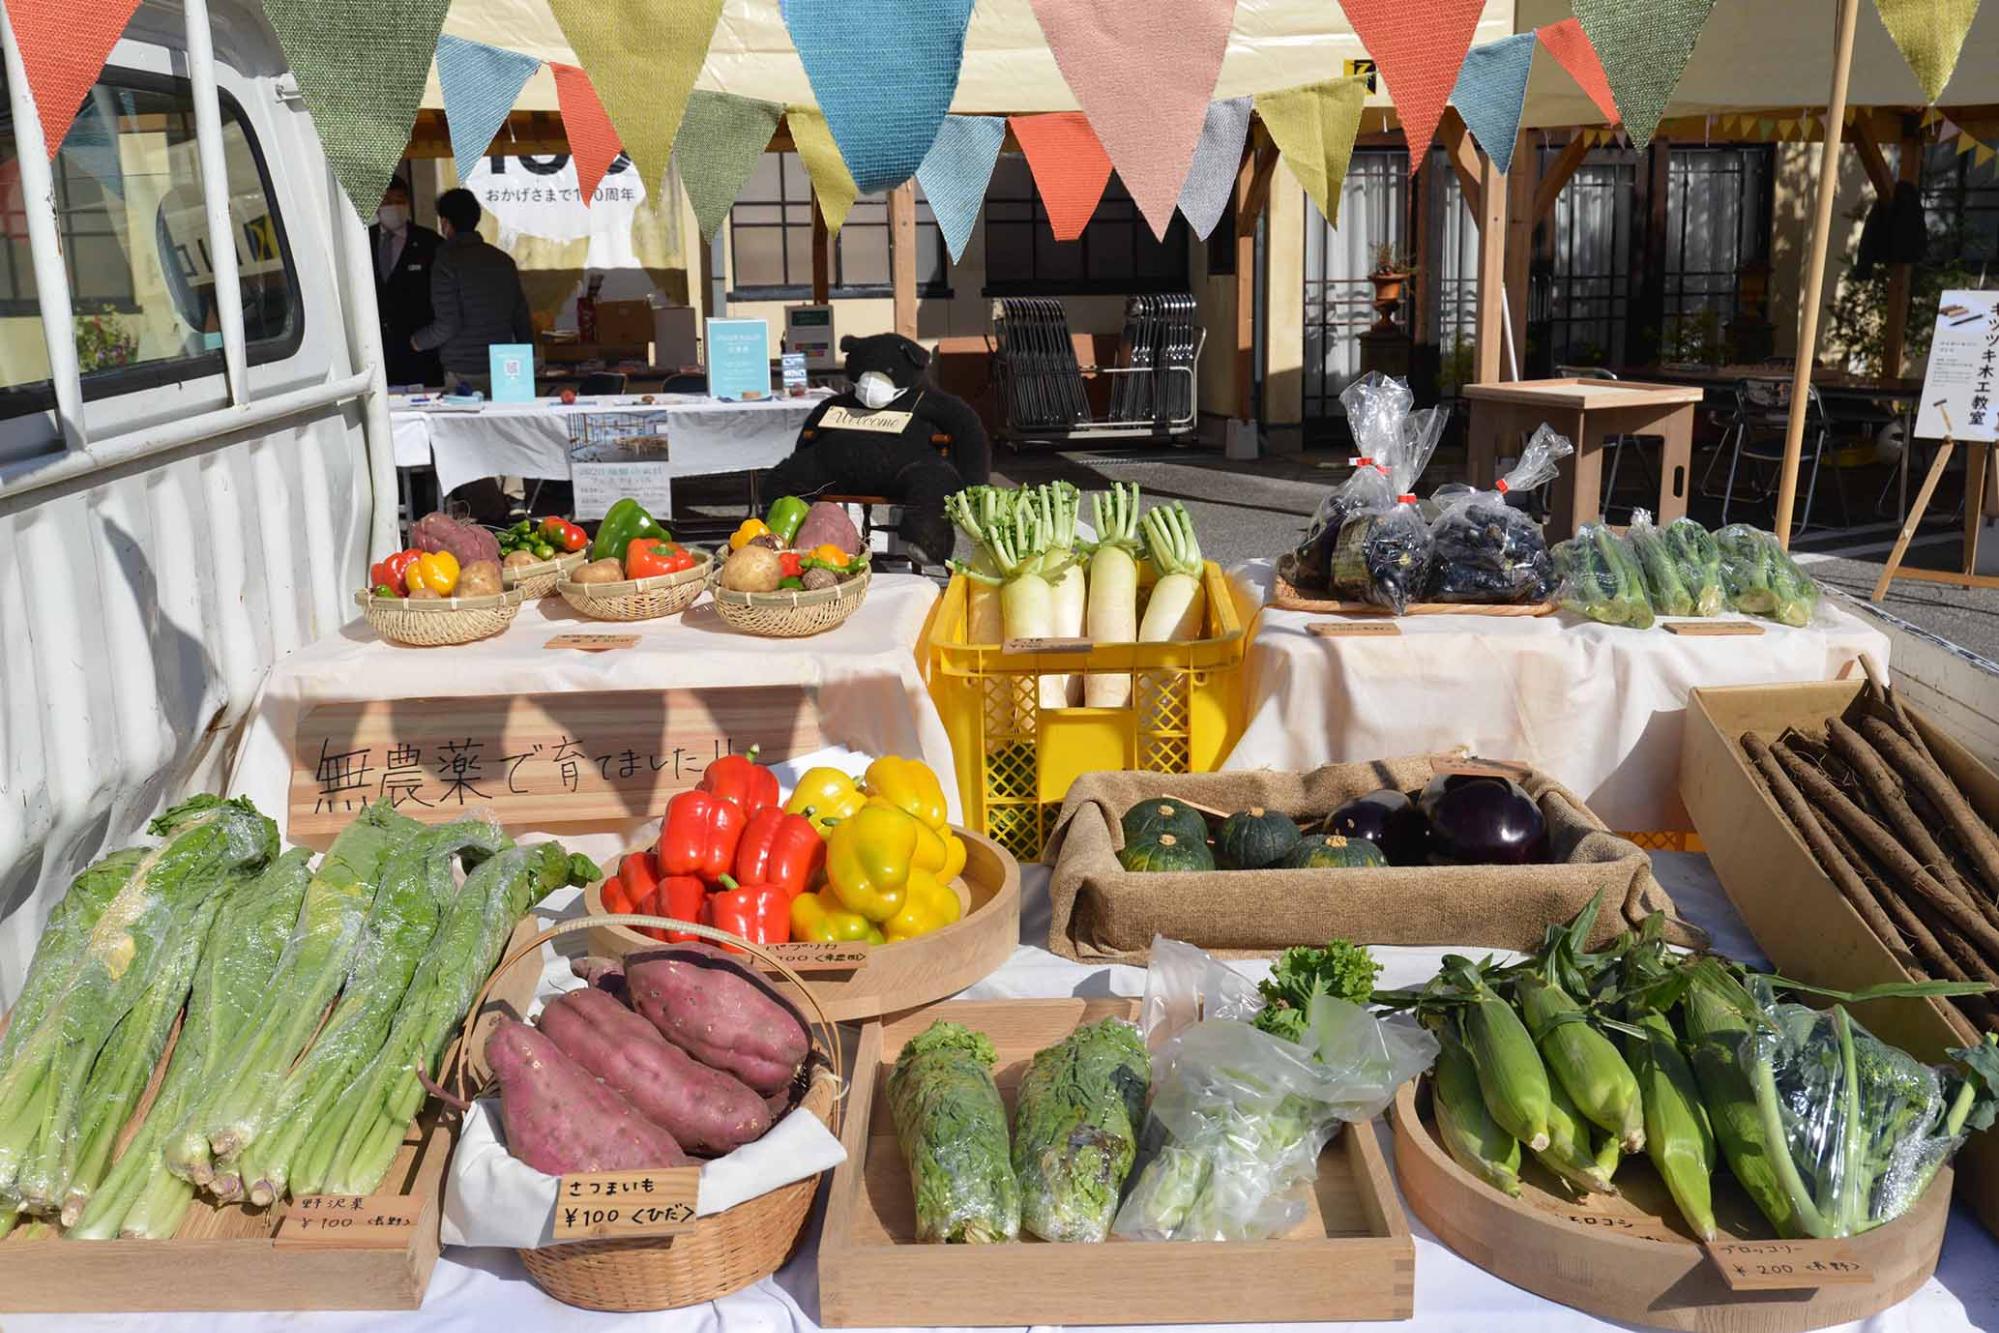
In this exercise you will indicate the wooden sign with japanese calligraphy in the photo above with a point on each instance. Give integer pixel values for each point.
(535, 760)
(1787, 1265)
(600, 1205)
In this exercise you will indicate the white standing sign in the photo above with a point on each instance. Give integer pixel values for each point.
(1961, 386)
(607, 464)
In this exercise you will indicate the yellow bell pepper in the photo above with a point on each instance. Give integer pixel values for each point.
(749, 531)
(825, 796)
(435, 570)
(911, 786)
(885, 865)
(829, 554)
(818, 917)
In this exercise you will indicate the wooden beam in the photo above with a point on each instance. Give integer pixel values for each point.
(1564, 166)
(1520, 222)
(1901, 277)
(1861, 136)
(822, 257)
(902, 255)
(1252, 196)
(1491, 270)
(1464, 157)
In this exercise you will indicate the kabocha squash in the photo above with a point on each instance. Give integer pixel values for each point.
(1254, 838)
(1166, 851)
(1149, 819)
(1329, 851)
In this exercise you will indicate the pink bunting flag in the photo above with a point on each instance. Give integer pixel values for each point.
(63, 49)
(1070, 167)
(593, 143)
(1418, 49)
(1570, 46)
(1144, 75)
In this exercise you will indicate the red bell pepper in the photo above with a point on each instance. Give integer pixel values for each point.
(682, 897)
(741, 780)
(648, 557)
(623, 889)
(760, 913)
(780, 849)
(563, 535)
(699, 835)
(792, 563)
(388, 572)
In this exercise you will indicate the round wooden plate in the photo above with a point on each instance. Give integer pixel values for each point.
(909, 972)
(1628, 1256)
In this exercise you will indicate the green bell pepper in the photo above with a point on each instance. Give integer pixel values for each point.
(786, 516)
(622, 522)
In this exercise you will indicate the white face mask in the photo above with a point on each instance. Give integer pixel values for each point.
(876, 390)
(393, 217)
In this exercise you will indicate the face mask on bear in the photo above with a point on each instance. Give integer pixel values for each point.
(876, 390)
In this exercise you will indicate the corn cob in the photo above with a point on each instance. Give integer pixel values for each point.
(1568, 1153)
(1677, 1136)
(1511, 1077)
(1583, 1061)
(1608, 1154)
(1474, 1140)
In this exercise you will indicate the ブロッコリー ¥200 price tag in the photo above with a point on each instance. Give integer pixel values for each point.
(610, 1205)
(1784, 1265)
(370, 1221)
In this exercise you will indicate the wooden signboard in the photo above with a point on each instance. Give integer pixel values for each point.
(619, 1205)
(1786, 1265)
(380, 1221)
(1712, 629)
(1352, 629)
(534, 760)
(593, 643)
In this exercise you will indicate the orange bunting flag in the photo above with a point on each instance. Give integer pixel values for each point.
(63, 49)
(1070, 167)
(1417, 50)
(1570, 46)
(593, 143)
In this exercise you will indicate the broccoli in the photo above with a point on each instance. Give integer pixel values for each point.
(1342, 970)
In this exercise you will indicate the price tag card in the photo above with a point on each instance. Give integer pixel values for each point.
(1470, 766)
(837, 956)
(593, 643)
(1046, 646)
(1354, 629)
(1713, 629)
(616, 1205)
(1613, 1224)
(351, 1221)
(1784, 1265)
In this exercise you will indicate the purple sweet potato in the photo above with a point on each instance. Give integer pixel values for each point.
(827, 523)
(707, 1111)
(468, 541)
(720, 1013)
(559, 1118)
(604, 974)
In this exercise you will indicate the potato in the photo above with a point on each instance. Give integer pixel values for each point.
(607, 570)
(516, 559)
(816, 579)
(481, 578)
(753, 569)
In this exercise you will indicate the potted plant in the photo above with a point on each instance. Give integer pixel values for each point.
(1390, 275)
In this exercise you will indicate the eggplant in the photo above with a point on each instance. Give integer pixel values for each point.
(1480, 820)
(1390, 821)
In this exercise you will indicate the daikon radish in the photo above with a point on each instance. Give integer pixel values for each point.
(1174, 613)
(976, 510)
(1057, 502)
(1027, 597)
(1112, 614)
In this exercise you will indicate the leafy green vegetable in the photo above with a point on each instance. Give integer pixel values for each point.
(951, 1124)
(1075, 1130)
(1342, 970)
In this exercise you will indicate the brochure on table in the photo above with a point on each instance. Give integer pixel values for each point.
(1958, 398)
(739, 359)
(513, 372)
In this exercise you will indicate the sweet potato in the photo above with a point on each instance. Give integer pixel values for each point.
(708, 1112)
(720, 1013)
(606, 974)
(826, 522)
(559, 1118)
(468, 541)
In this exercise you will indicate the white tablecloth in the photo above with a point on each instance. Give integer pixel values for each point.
(863, 675)
(1598, 707)
(704, 435)
(479, 1291)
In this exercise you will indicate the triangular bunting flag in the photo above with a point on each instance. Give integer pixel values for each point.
(1211, 178)
(361, 67)
(1569, 45)
(955, 173)
(1144, 75)
(480, 84)
(1417, 49)
(1492, 89)
(643, 57)
(593, 142)
(1930, 115)
(883, 100)
(831, 181)
(721, 138)
(1983, 154)
(1786, 127)
(63, 49)
(1314, 128)
(1070, 167)
(1644, 49)
(1930, 34)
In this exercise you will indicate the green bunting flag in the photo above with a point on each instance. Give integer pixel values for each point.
(1644, 49)
(1314, 128)
(721, 138)
(642, 57)
(831, 181)
(361, 67)
(1930, 34)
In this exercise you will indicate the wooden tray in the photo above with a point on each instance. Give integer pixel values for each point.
(1799, 917)
(894, 976)
(1628, 1257)
(1285, 597)
(1351, 1258)
(234, 1257)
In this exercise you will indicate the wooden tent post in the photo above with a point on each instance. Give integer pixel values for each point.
(1491, 267)
(902, 255)
(1252, 196)
(1813, 295)
(822, 257)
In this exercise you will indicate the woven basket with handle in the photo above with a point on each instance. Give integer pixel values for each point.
(790, 615)
(640, 599)
(434, 622)
(725, 1251)
(540, 578)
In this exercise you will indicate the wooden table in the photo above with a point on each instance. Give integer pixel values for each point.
(1588, 411)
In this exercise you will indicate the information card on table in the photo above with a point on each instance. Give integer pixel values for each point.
(616, 1205)
(1786, 1265)
(387, 1221)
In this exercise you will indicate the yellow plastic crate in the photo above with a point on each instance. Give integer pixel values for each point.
(1015, 759)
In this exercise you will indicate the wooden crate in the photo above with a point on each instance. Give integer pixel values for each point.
(1798, 916)
(1351, 1258)
(235, 1257)
(907, 973)
(1628, 1256)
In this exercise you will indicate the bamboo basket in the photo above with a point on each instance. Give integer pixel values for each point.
(725, 1251)
(435, 623)
(790, 615)
(640, 599)
(539, 580)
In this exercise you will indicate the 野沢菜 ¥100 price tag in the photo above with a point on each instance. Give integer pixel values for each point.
(385, 1221)
(606, 1205)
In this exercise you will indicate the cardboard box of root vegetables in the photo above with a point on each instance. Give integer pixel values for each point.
(1857, 842)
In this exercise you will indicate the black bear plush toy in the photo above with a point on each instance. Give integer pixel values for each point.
(892, 434)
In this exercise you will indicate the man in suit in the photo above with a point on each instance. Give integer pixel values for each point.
(404, 256)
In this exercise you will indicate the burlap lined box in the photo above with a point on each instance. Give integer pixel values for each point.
(1104, 914)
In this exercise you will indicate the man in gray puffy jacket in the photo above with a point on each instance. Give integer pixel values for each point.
(476, 298)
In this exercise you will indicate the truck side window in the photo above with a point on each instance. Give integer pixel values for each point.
(135, 244)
